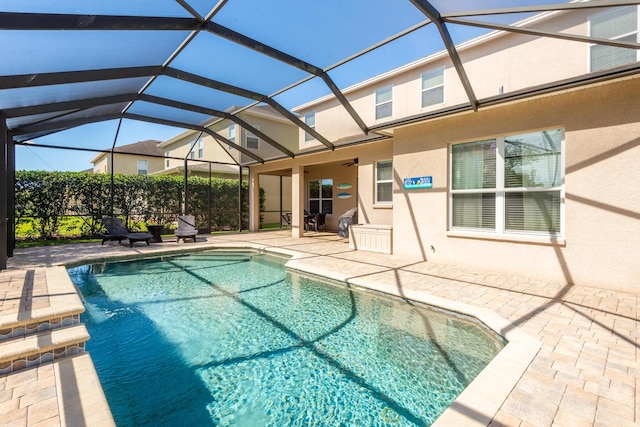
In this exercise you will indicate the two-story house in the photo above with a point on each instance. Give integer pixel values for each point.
(139, 158)
(252, 131)
(480, 173)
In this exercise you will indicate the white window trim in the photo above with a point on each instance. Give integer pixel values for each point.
(590, 45)
(307, 137)
(231, 129)
(320, 199)
(443, 85)
(375, 109)
(138, 169)
(384, 203)
(247, 134)
(500, 233)
(200, 148)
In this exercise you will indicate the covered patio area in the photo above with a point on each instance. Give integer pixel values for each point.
(576, 363)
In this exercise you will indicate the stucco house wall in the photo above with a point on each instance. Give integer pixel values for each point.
(125, 164)
(601, 127)
(602, 143)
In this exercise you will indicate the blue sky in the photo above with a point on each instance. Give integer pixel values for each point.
(283, 24)
(96, 135)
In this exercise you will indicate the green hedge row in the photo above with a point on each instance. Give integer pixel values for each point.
(46, 197)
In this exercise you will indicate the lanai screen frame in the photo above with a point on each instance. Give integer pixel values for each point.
(37, 115)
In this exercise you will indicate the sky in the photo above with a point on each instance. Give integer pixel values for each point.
(283, 24)
(97, 135)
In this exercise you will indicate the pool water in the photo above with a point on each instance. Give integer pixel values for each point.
(233, 339)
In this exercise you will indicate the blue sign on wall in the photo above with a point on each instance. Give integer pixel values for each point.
(418, 182)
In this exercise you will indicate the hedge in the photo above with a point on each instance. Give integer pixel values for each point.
(44, 198)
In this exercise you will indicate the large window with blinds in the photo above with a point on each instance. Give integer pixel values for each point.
(620, 23)
(510, 184)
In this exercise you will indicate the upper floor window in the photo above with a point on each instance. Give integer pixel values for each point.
(321, 196)
(511, 184)
(192, 153)
(166, 154)
(384, 182)
(231, 134)
(252, 141)
(433, 87)
(310, 120)
(143, 167)
(384, 102)
(620, 23)
(200, 148)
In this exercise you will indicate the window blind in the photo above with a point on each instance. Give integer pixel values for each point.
(533, 211)
(474, 165)
(618, 24)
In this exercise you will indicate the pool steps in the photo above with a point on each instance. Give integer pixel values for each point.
(44, 326)
(41, 347)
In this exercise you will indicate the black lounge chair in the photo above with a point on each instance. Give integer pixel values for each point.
(186, 228)
(116, 230)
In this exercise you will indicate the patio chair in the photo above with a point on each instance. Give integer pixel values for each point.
(186, 228)
(116, 230)
(285, 220)
(318, 221)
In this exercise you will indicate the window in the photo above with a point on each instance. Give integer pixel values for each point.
(252, 141)
(200, 149)
(166, 154)
(384, 102)
(384, 182)
(232, 135)
(310, 120)
(321, 196)
(433, 87)
(511, 184)
(615, 24)
(142, 167)
(192, 153)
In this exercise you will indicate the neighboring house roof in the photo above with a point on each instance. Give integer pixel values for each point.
(141, 148)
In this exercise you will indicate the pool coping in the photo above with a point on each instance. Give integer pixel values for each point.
(480, 401)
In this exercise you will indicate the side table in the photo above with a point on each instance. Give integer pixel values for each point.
(156, 230)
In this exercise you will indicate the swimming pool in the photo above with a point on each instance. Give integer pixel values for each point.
(227, 339)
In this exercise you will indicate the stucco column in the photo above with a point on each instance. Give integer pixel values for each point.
(254, 201)
(297, 201)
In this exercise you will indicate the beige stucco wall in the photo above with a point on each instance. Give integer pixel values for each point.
(211, 150)
(331, 165)
(602, 222)
(126, 164)
(280, 130)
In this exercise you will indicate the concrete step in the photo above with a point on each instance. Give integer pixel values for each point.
(41, 347)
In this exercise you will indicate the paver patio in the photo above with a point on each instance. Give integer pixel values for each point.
(586, 372)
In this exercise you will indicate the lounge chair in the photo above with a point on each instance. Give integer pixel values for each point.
(116, 230)
(186, 228)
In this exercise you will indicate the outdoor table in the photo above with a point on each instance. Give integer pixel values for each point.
(156, 231)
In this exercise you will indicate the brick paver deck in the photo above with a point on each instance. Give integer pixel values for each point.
(585, 373)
